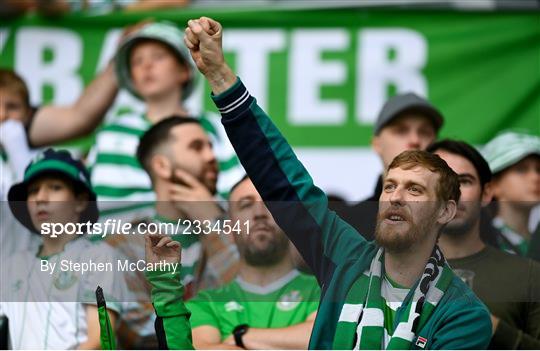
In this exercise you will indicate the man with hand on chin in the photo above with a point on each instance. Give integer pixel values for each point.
(395, 293)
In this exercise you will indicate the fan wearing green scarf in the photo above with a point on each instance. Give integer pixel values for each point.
(395, 293)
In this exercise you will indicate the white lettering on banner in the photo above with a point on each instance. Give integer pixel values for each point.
(60, 72)
(308, 72)
(377, 70)
(4, 34)
(110, 44)
(251, 48)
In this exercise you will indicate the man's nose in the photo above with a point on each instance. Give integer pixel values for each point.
(260, 210)
(414, 141)
(42, 195)
(209, 154)
(397, 196)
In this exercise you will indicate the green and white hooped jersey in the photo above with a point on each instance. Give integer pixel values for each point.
(47, 311)
(393, 297)
(285, 302)
(123, 188)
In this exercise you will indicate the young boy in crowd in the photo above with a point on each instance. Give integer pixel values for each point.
(50, 305)
(154, 65)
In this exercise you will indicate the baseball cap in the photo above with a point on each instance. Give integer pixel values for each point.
(56, 163)
(508, 148)
(165, 33)
(398, 104)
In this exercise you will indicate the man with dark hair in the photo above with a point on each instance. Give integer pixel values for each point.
(507, 284)
(177, 155)
(398, 293)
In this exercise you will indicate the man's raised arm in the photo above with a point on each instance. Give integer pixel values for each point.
(298, 206)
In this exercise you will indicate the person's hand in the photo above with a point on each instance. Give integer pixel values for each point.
(160, 248)
(127, 31)
(230, 341)
(494, 323)
(193, 198)
(203, 38)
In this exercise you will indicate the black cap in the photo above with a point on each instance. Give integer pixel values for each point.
(409, 102)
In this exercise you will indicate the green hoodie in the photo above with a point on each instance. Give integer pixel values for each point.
(336, 253)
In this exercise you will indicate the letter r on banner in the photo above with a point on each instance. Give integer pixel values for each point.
(60, 72)
(377, 70)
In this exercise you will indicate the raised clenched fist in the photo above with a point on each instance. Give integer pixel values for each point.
(203, 37)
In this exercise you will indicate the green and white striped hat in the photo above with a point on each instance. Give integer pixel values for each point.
(163, 32)
(508, 148)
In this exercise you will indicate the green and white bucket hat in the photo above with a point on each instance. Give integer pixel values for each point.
(163, 32)
(508, 148)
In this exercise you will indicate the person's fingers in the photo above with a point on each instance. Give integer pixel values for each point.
(187, 178)
(173, 244)
(179, 193)
(212, 27)
(203, 21)
(198, 30)
(189, 44)
(154, 238)
(127, 31)
(191, 37)
(163, 241)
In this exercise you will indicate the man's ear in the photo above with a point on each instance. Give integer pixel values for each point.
(448, 212)
(81, 202)
(376, 144)
(487, 194)
(161, 166)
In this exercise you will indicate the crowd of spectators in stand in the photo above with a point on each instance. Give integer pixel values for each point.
(251, 290)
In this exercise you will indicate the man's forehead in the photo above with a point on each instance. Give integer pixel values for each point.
(458, 163)
(417, 174)
(189, 131)
(244, 189)
(411, 117)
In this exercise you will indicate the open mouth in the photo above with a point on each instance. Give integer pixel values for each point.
(396, 218)
(42, 215)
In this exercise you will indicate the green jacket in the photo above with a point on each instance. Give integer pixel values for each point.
(335, 252)
(172, 317)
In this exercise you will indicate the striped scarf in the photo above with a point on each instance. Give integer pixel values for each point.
(361, 323)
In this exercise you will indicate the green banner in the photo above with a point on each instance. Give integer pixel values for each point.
(323, 75)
